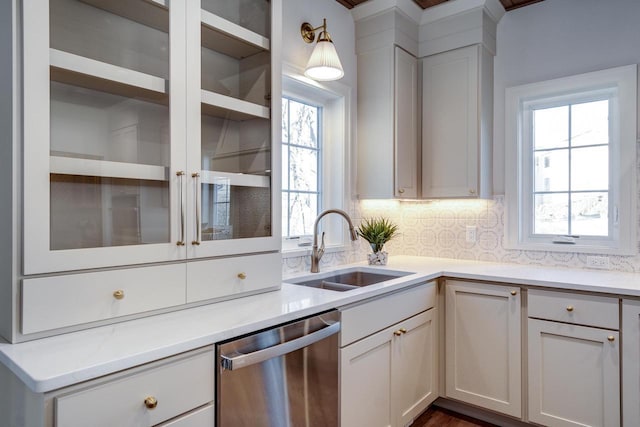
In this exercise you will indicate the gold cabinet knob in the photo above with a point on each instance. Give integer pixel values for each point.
(401, 190)
(514, 293)
(242, 276)
(472, 191)
(397, 333)
(569, 308)
(611, 338)
(150, 402)
(195, 243)
(119, 294)
(403, 330)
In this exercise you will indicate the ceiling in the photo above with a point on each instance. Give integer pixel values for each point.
(508, 4)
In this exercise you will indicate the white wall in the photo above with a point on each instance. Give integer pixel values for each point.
(557, 38)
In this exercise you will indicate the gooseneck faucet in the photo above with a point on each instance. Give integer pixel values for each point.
(316, 253)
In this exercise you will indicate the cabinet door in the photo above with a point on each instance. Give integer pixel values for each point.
(365, 381)
(631, 363)
(234, 98)
(415, 367)
(104, 128)
(406, 125)
(574, 375)
(483, 363)
(450, 129)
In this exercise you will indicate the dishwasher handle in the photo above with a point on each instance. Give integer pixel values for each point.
(243, 360)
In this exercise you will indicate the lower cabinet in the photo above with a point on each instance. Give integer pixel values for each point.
(178, 392)
(574, 370)
(389, 371)
(631, 363)
(482, 345)
(388, 378)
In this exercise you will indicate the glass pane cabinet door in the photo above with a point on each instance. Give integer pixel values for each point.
(104, 133)
(234, 158)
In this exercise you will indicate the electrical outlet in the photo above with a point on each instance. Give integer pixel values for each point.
(601, 262)
(472, 233)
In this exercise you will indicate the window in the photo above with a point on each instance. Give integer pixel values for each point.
(301, 171)
(315, 151)
(571, 163)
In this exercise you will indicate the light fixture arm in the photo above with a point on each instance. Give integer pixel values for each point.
(309, 33)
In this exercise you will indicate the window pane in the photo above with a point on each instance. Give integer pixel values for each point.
(285, 214)
(590, 123)
(285, 167)
(551, 127)
(590, 214)
(302, 213)
(285, 120)
(590, 168)
(551, 170)
(304, 124)
(303, 168)
(551, 214)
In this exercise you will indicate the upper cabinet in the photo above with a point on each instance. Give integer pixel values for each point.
(387, 109)
(457, 121)
(147, 131)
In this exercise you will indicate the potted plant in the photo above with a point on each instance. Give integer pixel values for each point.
(377, 231)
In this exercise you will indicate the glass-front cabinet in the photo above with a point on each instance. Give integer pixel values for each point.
(147, 131)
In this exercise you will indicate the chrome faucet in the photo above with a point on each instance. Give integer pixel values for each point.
(316, 253)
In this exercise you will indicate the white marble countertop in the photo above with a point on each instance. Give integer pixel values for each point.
(51, 363)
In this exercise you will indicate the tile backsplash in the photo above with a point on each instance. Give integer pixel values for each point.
(438, 229)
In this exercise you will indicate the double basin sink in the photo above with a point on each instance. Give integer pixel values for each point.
(347, 279)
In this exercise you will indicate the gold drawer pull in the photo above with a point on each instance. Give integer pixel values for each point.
(611, 338)
(119, 294)
(150, 402)
(569, 308)
(397, 333)
(403, 330)
(242, 276)
(514, 293)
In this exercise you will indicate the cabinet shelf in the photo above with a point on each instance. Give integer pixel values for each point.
(215, 104)
(106, 169)
(152, 13)
(91, 74)
(235, 179)
(231, 39)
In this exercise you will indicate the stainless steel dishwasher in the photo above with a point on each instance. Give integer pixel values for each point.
(281, 377)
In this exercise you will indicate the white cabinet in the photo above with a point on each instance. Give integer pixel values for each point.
(457, 123)
(574, 370)
(148, 138)
(631, 362)
(174, 391)
(483, 345)
(387, 124)
(390, 377)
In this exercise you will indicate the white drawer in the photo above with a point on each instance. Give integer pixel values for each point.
(72, 299)
(181, 384)
(589, 310)
(226, 277)
(370, 316)
(205, 416)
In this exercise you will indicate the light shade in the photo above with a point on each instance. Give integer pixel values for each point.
(324, 63)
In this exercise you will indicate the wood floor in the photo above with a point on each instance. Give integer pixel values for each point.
(438, 417)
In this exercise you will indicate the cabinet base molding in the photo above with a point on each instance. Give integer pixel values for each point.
(478, 413)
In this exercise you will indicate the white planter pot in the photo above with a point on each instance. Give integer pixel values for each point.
(378, 258)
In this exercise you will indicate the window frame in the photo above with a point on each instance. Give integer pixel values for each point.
(319, 193)
(619, 85)
(335, 99)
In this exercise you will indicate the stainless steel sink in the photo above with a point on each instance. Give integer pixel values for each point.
(348, 279)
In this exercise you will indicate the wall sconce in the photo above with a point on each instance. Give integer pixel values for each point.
(324, 63)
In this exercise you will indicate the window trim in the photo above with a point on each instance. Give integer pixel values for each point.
(335, 98)
(622, 83)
